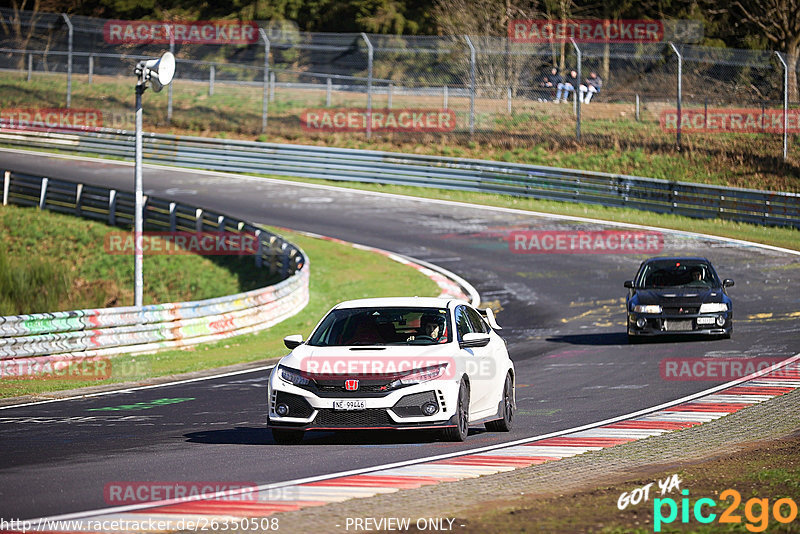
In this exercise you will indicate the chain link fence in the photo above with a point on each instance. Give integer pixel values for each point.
(455, 89)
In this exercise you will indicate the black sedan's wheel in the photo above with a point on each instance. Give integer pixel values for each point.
(460, 431)
(504, 424)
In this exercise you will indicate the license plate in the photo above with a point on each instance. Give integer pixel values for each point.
(705, 320)
(349, 405)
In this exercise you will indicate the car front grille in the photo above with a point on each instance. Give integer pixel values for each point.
(681, 310)
(677, 326)
(411, 405)
(298, 406)
(372, 417)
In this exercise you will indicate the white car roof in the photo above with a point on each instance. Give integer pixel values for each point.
(385, 302)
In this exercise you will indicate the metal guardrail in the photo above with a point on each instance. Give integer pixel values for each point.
(98, 332)
(660, 196)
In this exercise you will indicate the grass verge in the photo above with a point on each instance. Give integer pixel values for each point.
(332, 280)
(52, 261)
(767, 470)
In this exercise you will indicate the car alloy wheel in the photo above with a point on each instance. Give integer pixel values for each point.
(507, 421)
(460, 431)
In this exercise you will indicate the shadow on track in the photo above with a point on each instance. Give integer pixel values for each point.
(263, 436)
(621, 338)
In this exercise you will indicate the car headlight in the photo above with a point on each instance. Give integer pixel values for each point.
(293, 376)
(418, 376)
(713, 307)
(647, 308)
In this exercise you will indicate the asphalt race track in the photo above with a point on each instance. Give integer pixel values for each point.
(563, 318)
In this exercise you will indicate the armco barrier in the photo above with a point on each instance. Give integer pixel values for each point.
(661, 196)
(63, 335)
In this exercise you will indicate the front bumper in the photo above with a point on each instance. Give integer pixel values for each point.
(400, 409)
(708, 324)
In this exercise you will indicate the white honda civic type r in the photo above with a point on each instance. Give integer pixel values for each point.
(394, 363)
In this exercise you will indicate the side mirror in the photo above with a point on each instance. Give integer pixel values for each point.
(474, 339)
(293, 341)
(628, 284)
(727, 282)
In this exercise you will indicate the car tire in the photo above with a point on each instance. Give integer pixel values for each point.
(507, 421)
(283, 436)
(461, 430)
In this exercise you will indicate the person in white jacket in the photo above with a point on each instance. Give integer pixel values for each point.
(592, 86)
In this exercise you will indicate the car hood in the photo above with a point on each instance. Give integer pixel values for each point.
(687, 296)
(368, 360)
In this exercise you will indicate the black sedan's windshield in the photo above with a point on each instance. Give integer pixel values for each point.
(383, 326)
(677, 273)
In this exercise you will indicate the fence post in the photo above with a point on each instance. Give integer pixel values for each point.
(444, 96)
(471, 86)
(637, 107)
(43, 193)
(680, 94)
(328, 87)
(91, 67)
(370, 56)
(272, 86)
(169, 89)
(508, 100)
(389, 96)
(264, 100)
(30, 66)
(212, 73)
(69, 60)
(576, 93)
(785, 106)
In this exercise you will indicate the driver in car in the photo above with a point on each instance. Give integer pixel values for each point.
(431, 326)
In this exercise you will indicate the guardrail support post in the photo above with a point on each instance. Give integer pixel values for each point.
(198, 220)
(69, 60)
(471, 86)
(43, 193)
(328, 87)
(576, 93)
(173, 223)
(680, 95)
(264, 97)
(370, 56)
(78, 199)
(785, 106)
(112, 207)
(211, 75)
(221, 223)
(91, 67)
(6, 183)
(30, 66)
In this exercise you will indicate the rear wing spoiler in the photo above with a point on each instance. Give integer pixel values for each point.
(489, 315)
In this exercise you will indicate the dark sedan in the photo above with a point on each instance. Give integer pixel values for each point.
(678, 296)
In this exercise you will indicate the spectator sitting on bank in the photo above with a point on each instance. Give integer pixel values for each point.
(566, 86)
(550, 82)
(593, 85)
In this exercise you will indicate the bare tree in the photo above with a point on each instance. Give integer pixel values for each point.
(779, 21)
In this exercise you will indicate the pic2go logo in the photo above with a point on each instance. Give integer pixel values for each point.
(756, 511)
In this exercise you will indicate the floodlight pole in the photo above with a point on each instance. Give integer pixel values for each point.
(138, 260)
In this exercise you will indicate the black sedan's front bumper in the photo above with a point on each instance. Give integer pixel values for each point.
(648, 324)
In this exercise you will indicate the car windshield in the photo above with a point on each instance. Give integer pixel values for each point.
(677, 273)
(382, 326)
